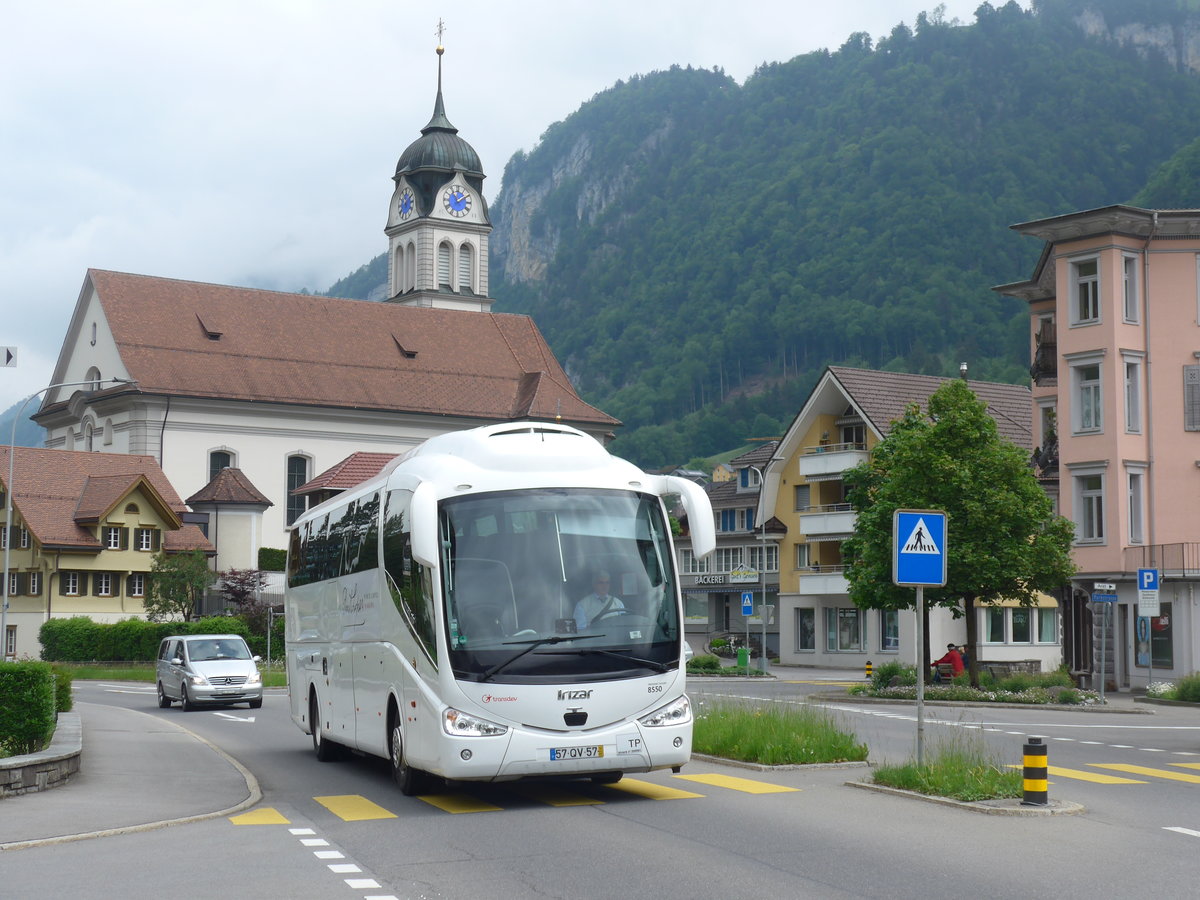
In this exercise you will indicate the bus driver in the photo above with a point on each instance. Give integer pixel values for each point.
(597, 603)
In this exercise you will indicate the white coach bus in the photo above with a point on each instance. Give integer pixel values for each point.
(434, 614)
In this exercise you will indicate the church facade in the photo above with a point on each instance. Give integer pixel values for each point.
(284, 386)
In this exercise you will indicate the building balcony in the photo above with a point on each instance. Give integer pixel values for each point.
(823, 580)
(828, 461)
(1171, 560)
(820, 521)
(1044, 370)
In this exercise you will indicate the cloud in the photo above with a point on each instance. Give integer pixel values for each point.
(253, 141)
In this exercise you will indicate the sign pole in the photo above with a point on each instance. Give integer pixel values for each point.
(920, 677)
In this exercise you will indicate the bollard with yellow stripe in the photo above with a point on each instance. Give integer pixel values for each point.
(869, 670)
(1036, 790)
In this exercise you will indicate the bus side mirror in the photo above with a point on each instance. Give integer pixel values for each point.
(424, 527)
(699, 512)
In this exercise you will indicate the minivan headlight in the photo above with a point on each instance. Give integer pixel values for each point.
(255, 677)
(677, 712)
(197, 679)
(457, 723)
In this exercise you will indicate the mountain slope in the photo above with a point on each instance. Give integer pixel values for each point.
(696, 251)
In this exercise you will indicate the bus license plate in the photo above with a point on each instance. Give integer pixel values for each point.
(577, 752)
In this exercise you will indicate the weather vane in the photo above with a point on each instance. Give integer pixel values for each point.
(441, 28)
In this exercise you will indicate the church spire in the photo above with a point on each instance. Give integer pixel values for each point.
(439, 121)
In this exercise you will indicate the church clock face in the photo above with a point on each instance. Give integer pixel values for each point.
(456, 200)
(406, 204)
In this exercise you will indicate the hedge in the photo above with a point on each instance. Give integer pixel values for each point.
(271, 559)
(27, 706)
(79, 639)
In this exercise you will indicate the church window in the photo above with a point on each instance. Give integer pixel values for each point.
(443, 266)
(466, 267)
(93, 375)
(410, 271)
(399, 271)
(218, 460)
(297, 474)
(87, 437)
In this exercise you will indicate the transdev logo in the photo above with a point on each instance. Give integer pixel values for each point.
(492, 698)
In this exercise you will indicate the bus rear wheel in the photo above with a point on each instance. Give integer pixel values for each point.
(411, 781)
(326, 750)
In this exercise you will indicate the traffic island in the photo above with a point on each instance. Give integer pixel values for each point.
(48, 768)
(1003, 807)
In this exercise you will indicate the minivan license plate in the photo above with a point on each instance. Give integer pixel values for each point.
(591, 752)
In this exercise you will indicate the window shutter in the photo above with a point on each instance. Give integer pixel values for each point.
(155, 539)
(22, 581)
(1191, 398)
(83, 584)
(62, 584)
(124, 538)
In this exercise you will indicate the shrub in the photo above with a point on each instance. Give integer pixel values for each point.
(882, 676)
(1188, 688)
(271, 559)
(64, 700)
(27, 704)
(706, 662)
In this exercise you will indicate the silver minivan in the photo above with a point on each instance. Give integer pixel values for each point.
(207, 668)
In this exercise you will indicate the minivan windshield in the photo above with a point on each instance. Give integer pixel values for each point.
(206, 649)
(554, 584)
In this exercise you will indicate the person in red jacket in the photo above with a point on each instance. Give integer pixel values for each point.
(953, 657)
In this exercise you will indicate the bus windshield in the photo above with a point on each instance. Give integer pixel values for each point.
(549, 585)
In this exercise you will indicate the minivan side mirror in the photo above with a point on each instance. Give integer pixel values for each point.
(257, 659)
(176, 661)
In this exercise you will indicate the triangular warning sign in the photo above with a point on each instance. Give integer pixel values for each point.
(920, 541)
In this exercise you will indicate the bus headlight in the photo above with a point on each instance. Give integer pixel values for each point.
(457, 723)
(677, 712)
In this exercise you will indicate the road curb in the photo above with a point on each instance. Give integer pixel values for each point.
(1004, 807)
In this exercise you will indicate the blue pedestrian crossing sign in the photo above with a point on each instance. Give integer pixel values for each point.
(747, 603)
(919, 548)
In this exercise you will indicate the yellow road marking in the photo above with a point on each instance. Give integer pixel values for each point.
(745, 785)
(264, 816)
(1187, 765)
(1080, 775)
(1145, 770)
(353, 808)
(554, 796)
(651, 791)
(458, 803)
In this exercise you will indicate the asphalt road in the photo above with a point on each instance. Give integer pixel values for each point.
(713, 831)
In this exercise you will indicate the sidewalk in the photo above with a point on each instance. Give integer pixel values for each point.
(137, 772)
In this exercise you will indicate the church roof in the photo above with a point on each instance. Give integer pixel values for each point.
(190, 339)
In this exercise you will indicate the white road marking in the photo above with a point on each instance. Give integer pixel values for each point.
(1187, 831)
(234, 718)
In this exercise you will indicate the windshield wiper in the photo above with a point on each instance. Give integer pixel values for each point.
(533, 645)
(648, 663)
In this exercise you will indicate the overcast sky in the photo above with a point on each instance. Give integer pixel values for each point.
(252, 142)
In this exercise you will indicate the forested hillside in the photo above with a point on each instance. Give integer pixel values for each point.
(697, 251)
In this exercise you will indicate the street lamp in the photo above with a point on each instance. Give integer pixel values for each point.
(8, 494)
(762, 534)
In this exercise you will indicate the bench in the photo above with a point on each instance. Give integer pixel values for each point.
(945, 672)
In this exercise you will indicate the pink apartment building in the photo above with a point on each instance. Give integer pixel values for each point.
(1114, 305)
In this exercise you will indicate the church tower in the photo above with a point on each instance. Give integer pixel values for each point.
(437, 225)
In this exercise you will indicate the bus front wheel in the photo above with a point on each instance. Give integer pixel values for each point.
(409, 780)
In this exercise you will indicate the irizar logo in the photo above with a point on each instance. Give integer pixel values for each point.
(574, 695)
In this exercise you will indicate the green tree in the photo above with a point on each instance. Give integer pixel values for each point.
(177, 584)
(1004, 540)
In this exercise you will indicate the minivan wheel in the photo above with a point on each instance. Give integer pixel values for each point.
(163, 700)
(256, 703)
(185, 702)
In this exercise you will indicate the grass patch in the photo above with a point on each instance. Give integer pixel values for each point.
(146, 673)
(961, 768)
(792, 735)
